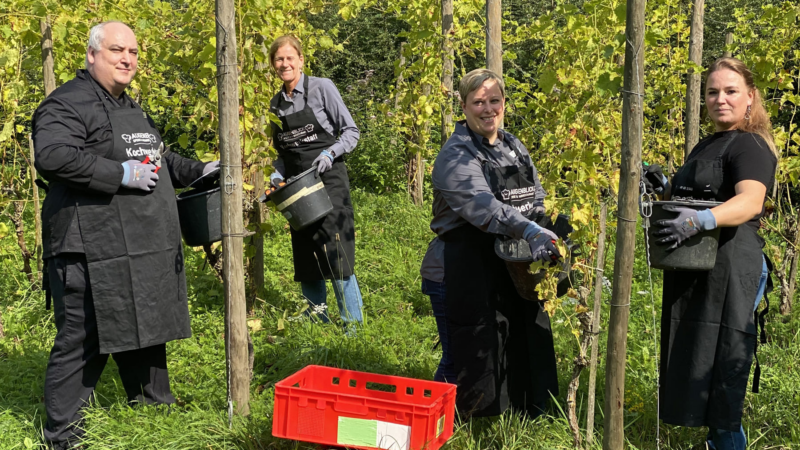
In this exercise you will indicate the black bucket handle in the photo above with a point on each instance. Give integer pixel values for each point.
(201, 177)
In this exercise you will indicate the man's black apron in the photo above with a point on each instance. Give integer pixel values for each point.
(326, 249)
(503, 346)
(132, 243)
(708, 332)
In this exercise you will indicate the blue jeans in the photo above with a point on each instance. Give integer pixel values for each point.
(736, 440)
(348, 296)
(446, 372)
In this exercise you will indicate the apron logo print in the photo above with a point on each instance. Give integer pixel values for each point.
(139, 138)
(518, 193)
(296, 133)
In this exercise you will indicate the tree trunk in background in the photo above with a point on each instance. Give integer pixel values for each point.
(232, 225)
(494, 36)
(728, 43)
(19, 228)
(399, 77)
(630, 169)
(595, 332)
(693, 81)
(448, 56)
(416, 164)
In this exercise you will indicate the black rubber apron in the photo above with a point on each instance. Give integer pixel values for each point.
(708, 332)
(502, 347)
(132, 243)
(326, 249)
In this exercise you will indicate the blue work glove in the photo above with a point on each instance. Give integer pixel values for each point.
(323, 162)
(210, 167)
(275, 179)
(138, 175)
(542, 242)
(655, 182)
(688, 223)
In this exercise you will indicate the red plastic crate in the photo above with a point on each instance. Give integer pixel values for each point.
(342, 407)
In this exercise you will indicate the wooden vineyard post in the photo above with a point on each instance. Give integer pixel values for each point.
(597, 308)
(494, 37)
(49, 77)
(448, 56)
(693, 81)
(47, 57)
(728, 43)
(232, 223)
(630, 169)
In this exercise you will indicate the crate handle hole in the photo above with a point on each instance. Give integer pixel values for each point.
(296, 384)
(335, 381)
(427, 393)
(381, 387)
(409, 391)
(352, 383)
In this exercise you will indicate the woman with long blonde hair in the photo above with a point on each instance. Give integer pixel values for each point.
(709, 324)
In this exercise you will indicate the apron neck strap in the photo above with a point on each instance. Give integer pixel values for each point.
(478, 142)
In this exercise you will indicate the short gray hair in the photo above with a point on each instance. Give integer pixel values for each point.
(475, 79)
(96, 35)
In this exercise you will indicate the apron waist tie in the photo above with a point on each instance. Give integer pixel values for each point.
(761, 322)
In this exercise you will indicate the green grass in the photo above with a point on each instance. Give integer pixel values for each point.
(398, 339)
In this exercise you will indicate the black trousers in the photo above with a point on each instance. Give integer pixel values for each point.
(76, 363)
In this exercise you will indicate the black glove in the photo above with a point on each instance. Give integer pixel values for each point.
(654, 180)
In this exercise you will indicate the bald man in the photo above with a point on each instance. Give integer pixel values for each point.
(111, 237)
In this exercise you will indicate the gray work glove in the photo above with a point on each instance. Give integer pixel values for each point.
(275, 179)
(323, 162)
(542, 242)
(655, 182)
(138, 175)
(688, 223)
(210, 167)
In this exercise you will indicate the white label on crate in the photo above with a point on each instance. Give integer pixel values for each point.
(385, 435)
(392, 436)
(440, 426)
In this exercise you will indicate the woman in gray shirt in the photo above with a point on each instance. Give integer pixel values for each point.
(496, 346)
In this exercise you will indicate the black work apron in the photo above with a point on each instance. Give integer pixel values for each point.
(132, 243)
(326, 249)
(708, 332)
(502, 344)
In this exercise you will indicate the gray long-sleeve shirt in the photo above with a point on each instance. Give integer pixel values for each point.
(461, 194)
(329, 110)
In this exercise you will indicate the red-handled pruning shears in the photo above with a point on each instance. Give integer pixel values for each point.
(157, 159)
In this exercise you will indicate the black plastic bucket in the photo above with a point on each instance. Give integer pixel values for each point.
(199, 211)
(698, 253)
(303, 200)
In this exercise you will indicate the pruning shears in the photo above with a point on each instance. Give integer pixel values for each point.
(156, 159)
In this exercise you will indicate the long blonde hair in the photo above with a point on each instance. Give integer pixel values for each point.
(758, 122)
